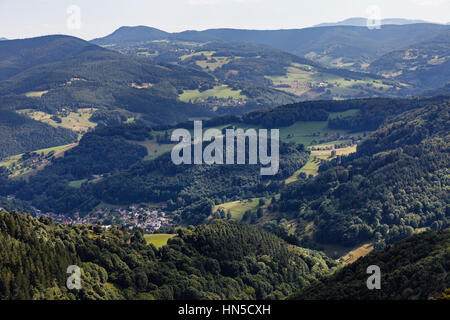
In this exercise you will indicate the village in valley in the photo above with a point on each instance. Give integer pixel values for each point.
(144, 217)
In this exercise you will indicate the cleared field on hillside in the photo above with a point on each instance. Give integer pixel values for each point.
(75, 121)
(347, 255)
(77, 183)
(159, 240)
(35, 94)
(309, 133)
(312, 166)
(20, 170)
(300, 79)
(339, 152)
(348, 113)
(154, 149)
(305, 132)
(205, 53)
(213, 63)
(238, 208)
(222, 91)
(357, 253)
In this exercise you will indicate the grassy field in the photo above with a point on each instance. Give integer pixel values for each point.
(35, 94)
(77, 183)
(205, 53)
(159, 240)
(309, 133)
(76, 121)
(357, 253)
(211, 64)
(19, 170)
(222, 91)
(347, 255)
(348, 113)
(300, 79)
(238, 208)
(154, 149)
(339, 152)
(303, 132)
(312, 166)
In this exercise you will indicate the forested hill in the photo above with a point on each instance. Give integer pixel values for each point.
(117, 153)
(52, 73)
(372, 113)
(396, 184)
(415, 268)
(129, 178)
(19, 134)
(355, 45)
(425, 64)
(17, 56)
(117, 265)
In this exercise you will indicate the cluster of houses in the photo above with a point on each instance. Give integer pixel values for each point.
(219, 102)
(150, 220)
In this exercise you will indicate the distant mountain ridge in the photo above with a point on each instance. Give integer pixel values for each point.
(362, 22)
(356, 45)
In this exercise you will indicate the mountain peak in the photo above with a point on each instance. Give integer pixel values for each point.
(128, 34)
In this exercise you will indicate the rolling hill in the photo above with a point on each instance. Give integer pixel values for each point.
(260, 72)
(131, 163)
(393, 186)
(412, 269)
(116, 264)
(444, 90)
(338, 46)
(132, 35)
(55, 73)
(20, 134)
(425, 64)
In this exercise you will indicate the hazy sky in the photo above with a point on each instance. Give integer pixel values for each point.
(27, 18)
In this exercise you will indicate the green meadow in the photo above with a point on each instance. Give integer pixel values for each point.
(238, 208)
(18, 169)
(222, 91)
(159, 240)
(76, 121)
(77, 183)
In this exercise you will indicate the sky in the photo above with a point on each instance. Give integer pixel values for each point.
(90, 19)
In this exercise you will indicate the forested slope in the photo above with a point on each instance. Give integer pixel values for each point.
(117, 265)
(396, 184)
(19, 134)
(415, 268)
